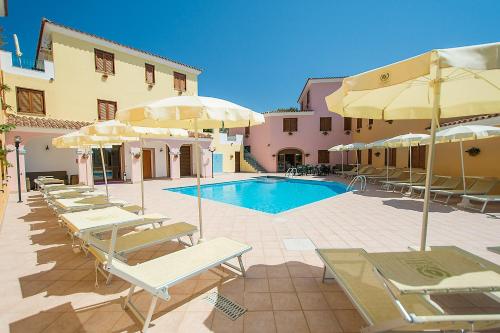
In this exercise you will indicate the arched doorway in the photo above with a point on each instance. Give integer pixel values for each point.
(289, 158)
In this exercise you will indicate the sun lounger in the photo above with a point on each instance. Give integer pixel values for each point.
(388, 184)
(354, 172)
(484, 198)
(392, 175)
(494, 249)
(449, 183)
(480, 187)
(402, 185)
(356, 274)
(156, 276)
(62, 206)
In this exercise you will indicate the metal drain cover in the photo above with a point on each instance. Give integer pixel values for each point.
(225, 305)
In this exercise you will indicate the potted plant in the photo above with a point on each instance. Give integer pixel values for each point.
(474, 151)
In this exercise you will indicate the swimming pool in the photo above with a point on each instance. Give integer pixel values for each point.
(267, 194)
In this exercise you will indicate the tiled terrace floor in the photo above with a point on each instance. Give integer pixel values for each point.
(47, 287)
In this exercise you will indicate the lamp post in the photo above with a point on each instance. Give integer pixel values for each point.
(212, 149)
(17, 142)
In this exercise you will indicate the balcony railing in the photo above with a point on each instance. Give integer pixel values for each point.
(28, 63)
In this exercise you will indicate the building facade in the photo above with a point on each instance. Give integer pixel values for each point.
(78, 78)
(298, 136)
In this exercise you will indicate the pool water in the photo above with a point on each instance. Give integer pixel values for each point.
(267, 194)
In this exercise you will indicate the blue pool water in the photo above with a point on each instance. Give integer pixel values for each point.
(267, 194)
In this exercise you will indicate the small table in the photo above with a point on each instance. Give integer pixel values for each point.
(443, 270)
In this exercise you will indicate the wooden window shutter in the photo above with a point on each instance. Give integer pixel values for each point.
(104, 62)
(23, 100)
(359, 123)
(101, 110)
(294, 125)
(99, 60)
(286, 125)
(347, 124)
(111, 110)
(106, 109)
(109, 60)
(325, 124)
(179, 81)
(37, 103)
(370, 156)
(323, 156)
(150, 74)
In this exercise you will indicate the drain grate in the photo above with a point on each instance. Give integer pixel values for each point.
(225, 305)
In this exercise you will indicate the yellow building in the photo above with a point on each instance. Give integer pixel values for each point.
(447, 161)
(78, 78)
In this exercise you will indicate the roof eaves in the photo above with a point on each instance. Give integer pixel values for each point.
(326, 79)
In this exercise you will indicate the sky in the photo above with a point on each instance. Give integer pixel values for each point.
(260, 53)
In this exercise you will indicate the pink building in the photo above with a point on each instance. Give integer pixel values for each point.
(292, 137)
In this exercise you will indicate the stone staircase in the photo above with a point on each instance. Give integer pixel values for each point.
(252, 162)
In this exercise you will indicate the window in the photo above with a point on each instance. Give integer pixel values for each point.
(308, 102)
(391, 156)
(347, 124)
(325, 124)
(417, 157)
(359, 123)
(247, 131)
(150, 74)
(179, 81)
(323, 156)
(104, 62)
(30, 101)
(358, 156)
(370, 122)
(369, 156)
(289, 124)
(106, 109)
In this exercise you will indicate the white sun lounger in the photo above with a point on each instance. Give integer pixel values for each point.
(480, 187)
(158, 275)
(62, 206)
(485, 199)
(381, 309)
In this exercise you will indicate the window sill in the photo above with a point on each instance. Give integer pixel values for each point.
(105, 73)
(31, 114)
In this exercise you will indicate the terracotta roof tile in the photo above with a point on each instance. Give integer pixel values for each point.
(468, 120)
(42, 122)
(295, 110)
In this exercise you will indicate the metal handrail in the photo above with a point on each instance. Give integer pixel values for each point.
(291, 172)
(362, 182)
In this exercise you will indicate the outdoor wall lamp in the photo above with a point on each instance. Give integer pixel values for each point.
(377, 154)
(161, 150)
(17, 143)
(47, 147)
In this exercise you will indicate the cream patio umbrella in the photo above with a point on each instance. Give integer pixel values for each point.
(406, 140)
(442, 83)
(113, 128)
(355, 146)
(193, 113)
(464, 133)
(339, 148)
(80, 140)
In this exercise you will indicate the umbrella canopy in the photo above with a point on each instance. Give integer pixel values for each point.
(441, 83)
(406, 140)
(341, 149)
(355, 146)
(464, 133)
(182, 111)
(337, 148)
(468, 82)
(191, 112)
(379, 144)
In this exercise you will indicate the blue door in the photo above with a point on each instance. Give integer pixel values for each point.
(217, 163)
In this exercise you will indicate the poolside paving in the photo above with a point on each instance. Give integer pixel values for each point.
(46, 287)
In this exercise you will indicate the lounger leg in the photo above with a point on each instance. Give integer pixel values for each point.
(484, 206)
(151, 310)
(129, 295)
(191, 239)
(242, 268)
(447, 199)
(108, 278)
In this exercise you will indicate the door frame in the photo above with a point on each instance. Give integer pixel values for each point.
(167, 164)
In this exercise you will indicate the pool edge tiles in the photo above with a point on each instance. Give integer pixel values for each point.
(267, 194)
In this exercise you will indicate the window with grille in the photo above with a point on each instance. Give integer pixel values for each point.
(323, 156)
(104, 62)
(106, 109)
(347, 124)
(30, 101)
(150, 73)
(325, 124)
(289, 124)
(179, 81)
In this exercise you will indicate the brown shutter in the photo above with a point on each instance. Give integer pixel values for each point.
(347, 124)
(294, 124)
(359, 123)
(369, 156)
(109, 62)
(111, 110)
(101, 110)
(179, 81)
(150, 74)
(286, 127)
(325, 124)
(99, 61)
(37, 102)
(23, 100)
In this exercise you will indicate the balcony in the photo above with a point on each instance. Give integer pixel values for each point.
(26, 63)
(41, 69)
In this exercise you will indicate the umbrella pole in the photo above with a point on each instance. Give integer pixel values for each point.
(357, 163)
(410, 166)
(435, 72)
(342, 165)
(197, 158)
(91, 155)
(141, 143)
(386, 164)
(104, 171)
(462, 163)
(87, 171)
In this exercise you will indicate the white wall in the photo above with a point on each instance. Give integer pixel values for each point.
(39, 159)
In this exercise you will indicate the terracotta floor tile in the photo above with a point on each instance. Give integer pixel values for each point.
(285, 301)
(259, 322)
(349, 320)
(223, 324)
(196, 322)
(258, 301)
(281, 285)
(337, 300)
(305, 284)
(312, 301)
(256, 285)
(290, 321)
(322, 322)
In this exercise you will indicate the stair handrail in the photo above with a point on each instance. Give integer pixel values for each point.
(362, 183)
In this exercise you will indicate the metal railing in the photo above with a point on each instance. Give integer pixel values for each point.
(28, 63)
(362, 183)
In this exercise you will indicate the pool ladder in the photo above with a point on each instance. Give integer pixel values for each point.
(362, 183)
(291, 172)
